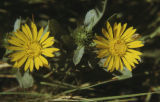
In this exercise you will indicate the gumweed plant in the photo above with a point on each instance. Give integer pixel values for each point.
(30, 47)
(118, 45)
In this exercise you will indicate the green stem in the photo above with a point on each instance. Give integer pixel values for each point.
(25, 93)
(86, 87)
(124, 96)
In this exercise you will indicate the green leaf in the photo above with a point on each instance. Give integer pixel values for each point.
(155, 33)
(78, 53)
(17, 24)
(94, 15)
(125, 74)
(101, 63)
(26, 80)
(45, 30)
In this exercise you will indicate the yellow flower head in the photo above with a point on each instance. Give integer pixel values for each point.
(31, 47)
(118, 46)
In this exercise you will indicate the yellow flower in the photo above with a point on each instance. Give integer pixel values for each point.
(118, 46)
(30, 47)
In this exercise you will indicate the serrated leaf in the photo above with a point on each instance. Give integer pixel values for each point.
(78, 53)
(26, 80)
(93, 16)
(17, 24)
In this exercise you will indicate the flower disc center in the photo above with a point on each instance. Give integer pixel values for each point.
(117, 47)
(33, 49)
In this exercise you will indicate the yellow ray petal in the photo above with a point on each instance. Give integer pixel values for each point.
(100, 44)
(135, 61)
(44, 37)
(46, 53)
(40, 34)
(28, 31)
(25, 32)
(135, 52)
(129, 35)
(128, 66)
(107, 61)
(14, 42)
(99, 38)
(136, 56)
(109, 28)
(14, 48)
(47, 66)
(51, 50)
(17, 55)
(121, 64)
(105, 33)
(17, 39)
(115, 26)
(21, 61)
(102, 53)
(135, 44)
(20, 35)
(34, 30)
(15, 65)
(31, 65)
(50, 39)
(129, 59)
(48, 44)
(114, 29)
(112, 69)
(27, 63)
(44, 61)
(39, 61)
(123, 28)
(110, 64)
(117, 64)
(127, 32)
(36, 61)
(117, 33)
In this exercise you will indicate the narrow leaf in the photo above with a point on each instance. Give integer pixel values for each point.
(17, 24)
(125, 74)
(78, 53)
(45, 30)
(94, 15)
(26, 80)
